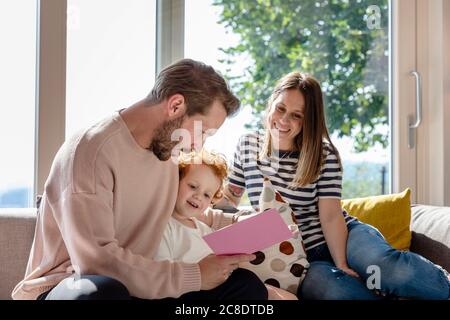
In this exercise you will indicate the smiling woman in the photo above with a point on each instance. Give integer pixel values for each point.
(296, 105)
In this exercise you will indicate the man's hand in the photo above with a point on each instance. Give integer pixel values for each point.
(215, 270)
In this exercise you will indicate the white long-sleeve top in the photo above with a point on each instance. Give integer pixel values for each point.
(183, 244)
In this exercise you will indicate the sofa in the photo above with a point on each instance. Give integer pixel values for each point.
(430, 227)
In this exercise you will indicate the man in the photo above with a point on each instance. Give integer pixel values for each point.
(110, 193)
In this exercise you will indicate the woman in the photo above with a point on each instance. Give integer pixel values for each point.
(297, 155)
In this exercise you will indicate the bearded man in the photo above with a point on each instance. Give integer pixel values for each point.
(111, 191)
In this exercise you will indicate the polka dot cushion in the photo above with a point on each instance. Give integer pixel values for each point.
(283, 265)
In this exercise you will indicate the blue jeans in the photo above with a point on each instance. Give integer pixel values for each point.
(386, 271)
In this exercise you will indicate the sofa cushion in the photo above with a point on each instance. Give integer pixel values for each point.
(16, 236)
(430, 226)
(390, 214)
(283, 265)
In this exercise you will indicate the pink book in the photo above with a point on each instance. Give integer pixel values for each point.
(250, 235)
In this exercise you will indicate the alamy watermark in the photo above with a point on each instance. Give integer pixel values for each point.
(373, 19)
(374, 280)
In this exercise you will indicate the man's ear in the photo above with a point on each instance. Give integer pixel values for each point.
(176, 106)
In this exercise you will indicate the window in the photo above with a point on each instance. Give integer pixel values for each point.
(346, 47)
(17, 100)
(110, 57)
(204, 37)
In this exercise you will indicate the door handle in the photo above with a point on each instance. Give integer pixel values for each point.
(414, 124)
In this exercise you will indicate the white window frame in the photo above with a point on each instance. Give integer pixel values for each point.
(421, 42)
(169, 32)
(50, 87)
(403, 61)
(433, 136)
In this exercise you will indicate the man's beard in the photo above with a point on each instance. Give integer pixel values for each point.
(162, 143)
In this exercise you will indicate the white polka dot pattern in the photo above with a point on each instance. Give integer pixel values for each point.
(283, 265)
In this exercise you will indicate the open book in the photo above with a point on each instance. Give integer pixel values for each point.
(250, 235)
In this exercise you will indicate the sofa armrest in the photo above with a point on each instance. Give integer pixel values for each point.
(17, 228)
(430, 227)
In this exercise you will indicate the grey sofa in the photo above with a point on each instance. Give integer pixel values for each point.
(430, 237)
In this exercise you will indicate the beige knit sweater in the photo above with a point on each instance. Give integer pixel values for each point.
(105, 206)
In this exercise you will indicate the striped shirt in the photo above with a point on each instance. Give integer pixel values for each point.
(248, 172)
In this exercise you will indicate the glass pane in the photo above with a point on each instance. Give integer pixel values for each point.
(110, 57)
(344, 45)
(17, 101)
(204, 38)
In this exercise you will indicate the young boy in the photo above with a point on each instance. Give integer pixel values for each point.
(201, 183)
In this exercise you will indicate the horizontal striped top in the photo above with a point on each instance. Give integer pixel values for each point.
(248, 172)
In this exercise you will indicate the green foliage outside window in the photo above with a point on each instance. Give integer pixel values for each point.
(341, 43)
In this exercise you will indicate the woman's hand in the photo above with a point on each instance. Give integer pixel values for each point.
(224, 202)
(348, 271)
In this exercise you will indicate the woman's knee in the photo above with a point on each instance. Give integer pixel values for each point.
(366, 248)
(394, 272)
(378, 259)
(402, 273)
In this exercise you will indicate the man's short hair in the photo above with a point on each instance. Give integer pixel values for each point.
(199, 83)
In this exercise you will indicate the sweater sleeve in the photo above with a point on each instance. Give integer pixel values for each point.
(87, 227)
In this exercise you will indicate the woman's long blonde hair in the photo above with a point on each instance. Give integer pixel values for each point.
(314, 131)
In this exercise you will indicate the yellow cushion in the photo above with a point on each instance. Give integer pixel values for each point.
(390, 214)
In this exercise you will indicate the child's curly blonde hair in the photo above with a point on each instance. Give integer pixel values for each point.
(211, 159)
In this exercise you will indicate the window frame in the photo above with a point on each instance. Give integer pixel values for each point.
(421, 32)
(50, 87)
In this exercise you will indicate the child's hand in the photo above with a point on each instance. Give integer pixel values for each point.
(206, 216)
(245, 214)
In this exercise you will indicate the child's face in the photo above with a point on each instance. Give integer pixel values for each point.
(196, 190)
